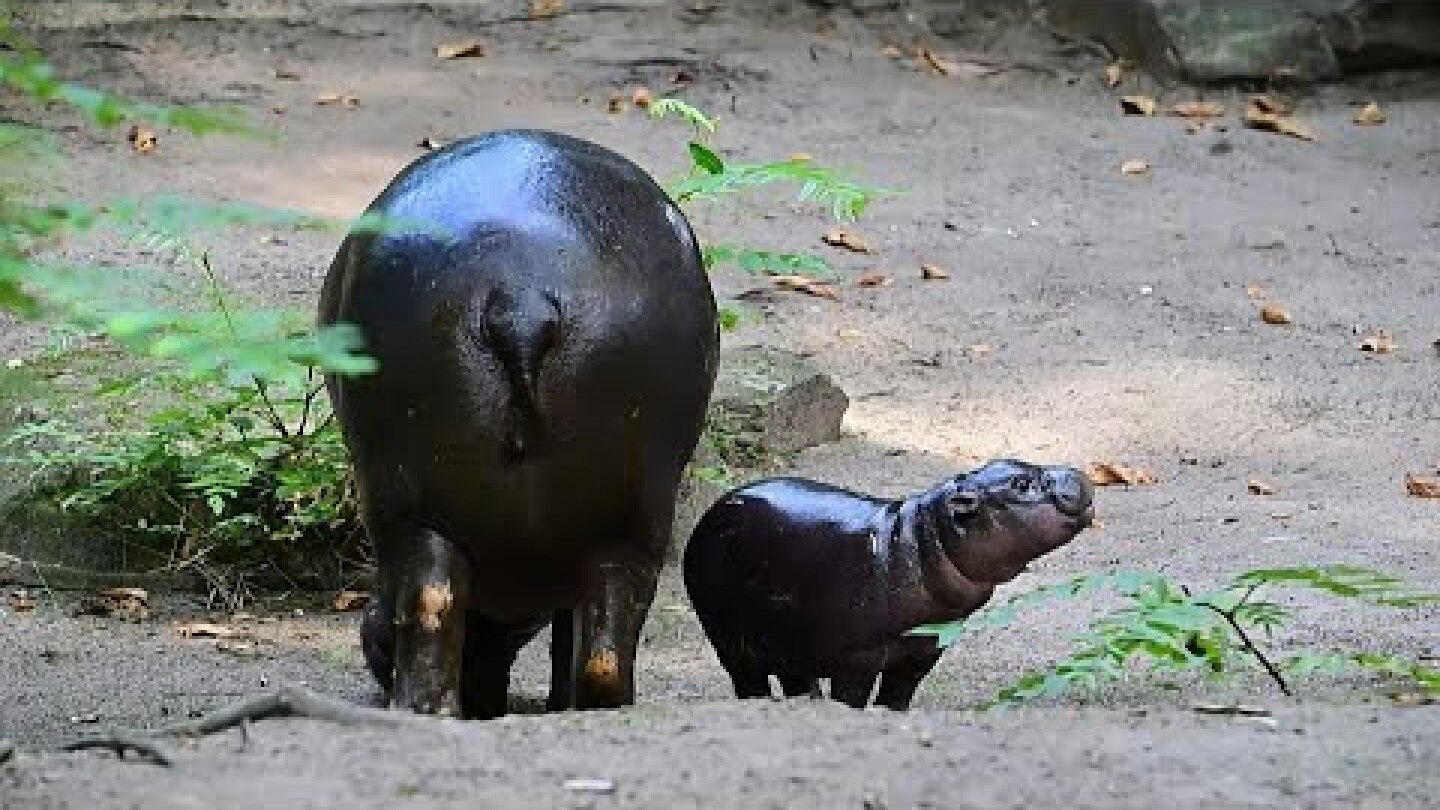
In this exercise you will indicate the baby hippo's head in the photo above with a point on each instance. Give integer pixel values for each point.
(1008, 513)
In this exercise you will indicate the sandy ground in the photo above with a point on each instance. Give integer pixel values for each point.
(1089, 316)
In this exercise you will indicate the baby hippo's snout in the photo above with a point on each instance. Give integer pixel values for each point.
(1071, 491)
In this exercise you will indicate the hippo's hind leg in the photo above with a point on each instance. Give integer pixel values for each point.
(604, 634)
(901, 678)
(430, 583)
(738, 657)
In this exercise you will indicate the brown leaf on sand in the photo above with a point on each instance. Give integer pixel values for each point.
(129, 604)
(892, 52)
(337, 100)
(1108, 474)
(807, 285)
(641, 97)
(1114, 73)
(1370, 115)
(933, 272)
(541, 9)
(1422, 487)
(1137, 105)
(206, 630)
(1260, 116)
(1379, 343)
(1198, 109)
(1270, 104)
(935, 62)
(459, 49)
(1135, 166)
(1276, 315)
(849, 240)
(616, 104)
(1255, 487)
(20, 601)
(350, 600)
(874, 280)
(141, 139)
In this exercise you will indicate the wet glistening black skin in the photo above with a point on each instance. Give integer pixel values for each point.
(547, 342)
(803, 581)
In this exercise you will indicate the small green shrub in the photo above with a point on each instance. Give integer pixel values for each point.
(233, 467)
(1215, 632)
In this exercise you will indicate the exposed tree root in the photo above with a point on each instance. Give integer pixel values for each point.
(287, 701)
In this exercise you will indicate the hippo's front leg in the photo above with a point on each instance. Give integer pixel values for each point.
(430, 591)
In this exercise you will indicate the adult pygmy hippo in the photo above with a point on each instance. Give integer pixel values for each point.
(547, 341)
(804, 581)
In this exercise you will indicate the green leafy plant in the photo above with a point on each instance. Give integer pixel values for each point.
(712, 179)
(237, 466)
(1215, 632)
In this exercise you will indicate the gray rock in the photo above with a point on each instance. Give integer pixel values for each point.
(768, 404)
(1225, 40)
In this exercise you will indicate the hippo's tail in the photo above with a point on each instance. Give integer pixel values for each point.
(523, 329)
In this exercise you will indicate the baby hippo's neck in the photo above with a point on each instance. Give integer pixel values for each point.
(926, 533)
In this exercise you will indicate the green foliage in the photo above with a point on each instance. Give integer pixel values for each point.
(1176, 631)
(711, 179)
(240, 465)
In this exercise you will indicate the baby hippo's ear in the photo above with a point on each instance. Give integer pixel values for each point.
(963, 502)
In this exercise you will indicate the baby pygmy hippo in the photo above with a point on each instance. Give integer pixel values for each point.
(803, 581)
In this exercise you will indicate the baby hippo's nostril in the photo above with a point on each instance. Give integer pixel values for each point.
(1071, 490)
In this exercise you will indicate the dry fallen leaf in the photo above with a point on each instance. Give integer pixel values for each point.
(351, 600)
(206, 630)
(540, 9)
(1370, 115)
(1422, 487)
(1198, 109)
(641, 97)
(616, 104)
(1275, 315)
(849, 240)
(1106, 473)
(933, 272)
(1270, 104)
(874, 280)
(1137, 105)
(892, 52)
(1255, 291)
(1378, 343)
(807, 285)
(1260, 116)
(848, 334)
(20, 601)
(935, 62)
(128, 604)
(1114, 73)
(1407, 699)
(431, 143)
(1135, 166)
(459, 49)
(1259, 488)
(337, 100)
(142, 140)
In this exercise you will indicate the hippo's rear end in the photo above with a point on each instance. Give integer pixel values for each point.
(547, 341)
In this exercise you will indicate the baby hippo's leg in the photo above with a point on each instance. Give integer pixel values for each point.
(903, 675)
(853, 687)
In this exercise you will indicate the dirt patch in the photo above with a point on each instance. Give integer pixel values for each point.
(1088, 315)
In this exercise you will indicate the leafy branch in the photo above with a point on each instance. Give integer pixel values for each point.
(1215, 631)
(712, 179)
